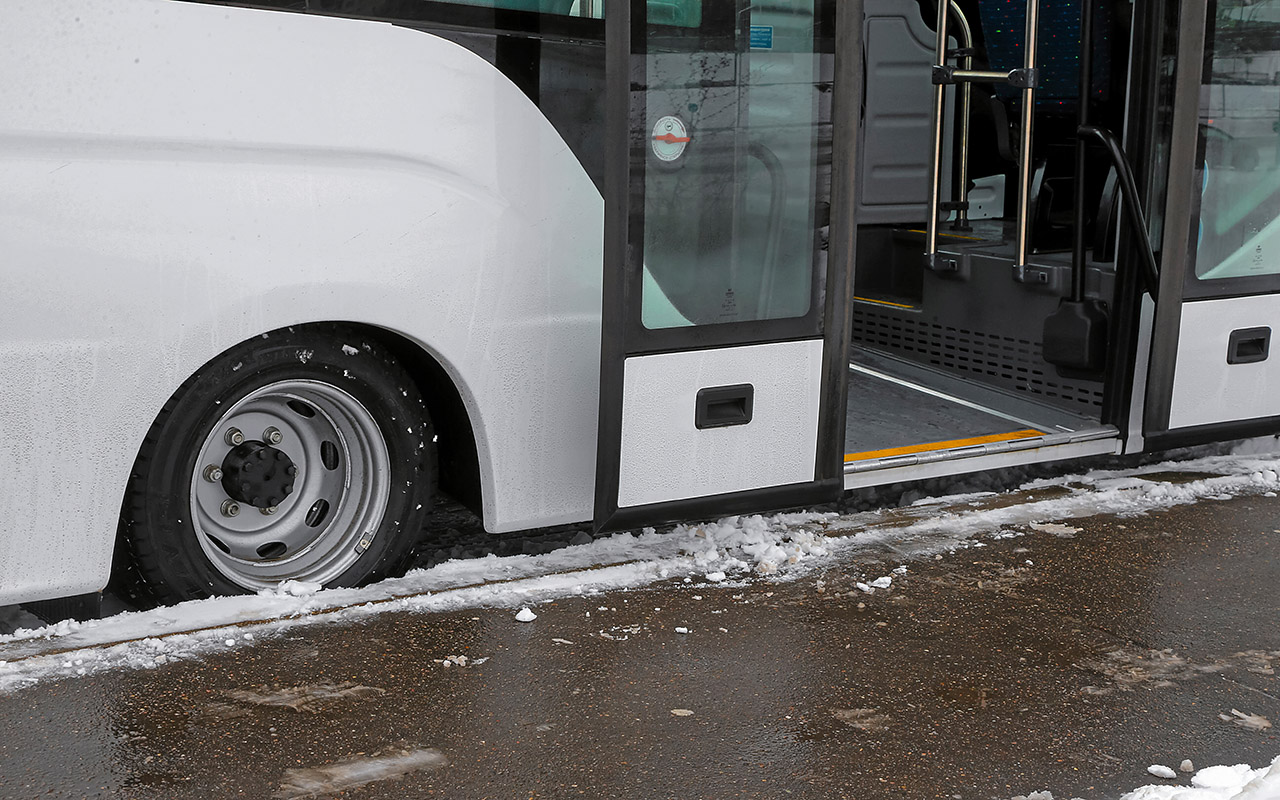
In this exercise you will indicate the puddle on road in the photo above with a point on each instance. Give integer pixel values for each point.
(1129, 668)
(990, 577)
(1055, 529)
(350, 773)
(864, 719)
(1252, 722)
(967, 696)
(312, 698)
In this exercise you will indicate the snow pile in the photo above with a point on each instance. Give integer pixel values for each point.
(739, 546)
(956, 520)
(733, 549)
(754, 543)
(1239, 782)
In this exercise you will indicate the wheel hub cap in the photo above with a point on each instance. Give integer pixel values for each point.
(258, 474)
(322, 489)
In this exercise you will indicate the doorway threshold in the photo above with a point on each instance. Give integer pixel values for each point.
(905, 421)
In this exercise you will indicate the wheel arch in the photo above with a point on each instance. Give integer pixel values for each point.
(458, 456)
(457, 452)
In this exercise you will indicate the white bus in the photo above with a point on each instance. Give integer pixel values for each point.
(275, 273)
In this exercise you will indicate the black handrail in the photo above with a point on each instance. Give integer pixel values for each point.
(1129, 193)
(1082, 120)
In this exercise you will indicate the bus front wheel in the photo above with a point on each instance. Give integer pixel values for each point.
(302, 455)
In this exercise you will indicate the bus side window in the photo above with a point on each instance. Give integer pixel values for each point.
(677, 13)
(573, 8)
(1239, 230)
(682, 13)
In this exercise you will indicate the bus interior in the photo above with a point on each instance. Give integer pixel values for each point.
(948, 351)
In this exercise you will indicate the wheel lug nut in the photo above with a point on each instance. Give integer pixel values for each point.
(272, 435)
(269, 510)
(230, 508)
(234, 437)
(291, 470)
(213, 473)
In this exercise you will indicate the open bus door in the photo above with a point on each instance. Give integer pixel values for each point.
(730, 131)
(1213, 373)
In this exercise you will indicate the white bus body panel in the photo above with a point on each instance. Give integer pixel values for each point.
(177, 178)
(1206, 389)
(666, 457)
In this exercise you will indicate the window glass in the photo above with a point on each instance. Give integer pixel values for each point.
(575, 8)
(1239, 225)
(734, 106)
(683, 13)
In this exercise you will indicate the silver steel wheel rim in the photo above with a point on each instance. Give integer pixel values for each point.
(340, 490)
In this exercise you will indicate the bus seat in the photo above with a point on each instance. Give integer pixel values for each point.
(1004, 28)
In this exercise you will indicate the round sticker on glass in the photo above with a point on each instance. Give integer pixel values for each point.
(670, 138)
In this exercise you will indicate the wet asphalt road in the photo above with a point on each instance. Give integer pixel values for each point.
(978, 675)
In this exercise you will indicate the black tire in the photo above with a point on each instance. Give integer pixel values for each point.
(359, 454)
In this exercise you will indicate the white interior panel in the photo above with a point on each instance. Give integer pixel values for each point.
(666, 457)
(1206, 389)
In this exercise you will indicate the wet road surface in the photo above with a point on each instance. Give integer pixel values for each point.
(977, 675)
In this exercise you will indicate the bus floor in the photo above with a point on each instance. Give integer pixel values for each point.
(897, 408)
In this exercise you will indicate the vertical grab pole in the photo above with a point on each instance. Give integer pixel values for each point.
(962, 195)
(939, 98)
(1082, 120)
(1028, 113)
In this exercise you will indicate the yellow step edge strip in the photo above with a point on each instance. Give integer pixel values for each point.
(947, 445)
(883, 303)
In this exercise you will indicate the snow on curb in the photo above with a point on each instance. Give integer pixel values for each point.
(737, 548)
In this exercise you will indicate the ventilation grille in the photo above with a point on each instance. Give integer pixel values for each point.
(1004, 361)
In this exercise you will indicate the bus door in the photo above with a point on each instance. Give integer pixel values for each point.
(726, 286)
(1214, 370)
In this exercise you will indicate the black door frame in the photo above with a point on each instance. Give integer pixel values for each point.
(618, 302)
(1178, 249)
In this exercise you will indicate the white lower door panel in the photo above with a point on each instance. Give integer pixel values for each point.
(666, 457)
(1206, 388)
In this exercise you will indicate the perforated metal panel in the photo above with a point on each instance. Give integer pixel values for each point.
(1003, 361)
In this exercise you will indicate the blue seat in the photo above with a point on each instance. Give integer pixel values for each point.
(1004, 29)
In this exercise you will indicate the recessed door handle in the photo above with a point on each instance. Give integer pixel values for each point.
(722, 406)
(1249, 345)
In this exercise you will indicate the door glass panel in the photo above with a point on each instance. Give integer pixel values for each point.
(573, 8)
(729, 141)
(667, 12)
(1239, 226)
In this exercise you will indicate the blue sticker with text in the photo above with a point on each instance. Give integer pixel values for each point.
(761, 37)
